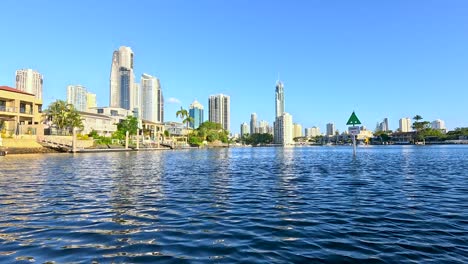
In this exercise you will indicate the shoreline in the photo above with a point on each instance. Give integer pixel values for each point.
(44, 150)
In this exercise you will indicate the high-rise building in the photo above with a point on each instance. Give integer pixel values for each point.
(279, 108)
(196, 112)
(29, 81)
(297, 130)
(263, 127)
(137, 99)
(77, 96)
(91, 100)
(244, 129)
(405, 124)
(438, 124)
(218, 110)
(122, 88)
(312, 131)
(283, 129)
(253, 123)
(152, 102)
(331, 129)
(383, 126)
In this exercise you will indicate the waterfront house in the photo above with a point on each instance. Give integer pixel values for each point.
(21, 113)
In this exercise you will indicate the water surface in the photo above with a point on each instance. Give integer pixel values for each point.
(404, 204)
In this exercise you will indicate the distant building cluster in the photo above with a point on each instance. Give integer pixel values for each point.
(21, 106)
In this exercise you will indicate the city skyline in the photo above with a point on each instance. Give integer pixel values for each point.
(342, 58)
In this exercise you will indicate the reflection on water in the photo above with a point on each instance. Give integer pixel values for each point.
(308, 204)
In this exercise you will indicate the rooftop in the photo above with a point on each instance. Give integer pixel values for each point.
(14, 90)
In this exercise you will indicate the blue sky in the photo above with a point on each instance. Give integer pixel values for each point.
(380, 58)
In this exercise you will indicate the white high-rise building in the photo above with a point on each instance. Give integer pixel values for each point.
(263, 127)
(284, 129)
(78, 97)
(29, 81)
(297, 130)
(405, 124)
(331, 129)
(279, 99)
(438, 124)
(137, 99)
(253, 123)
(219, 110)
(122, 85)
(244, 129)
(152, 102)
(312, 131)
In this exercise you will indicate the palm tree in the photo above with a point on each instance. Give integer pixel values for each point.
(64, 115)
(182, 113)
(420, 127)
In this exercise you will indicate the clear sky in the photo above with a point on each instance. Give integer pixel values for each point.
(380, 58)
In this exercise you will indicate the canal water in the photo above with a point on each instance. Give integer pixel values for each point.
(404, 204)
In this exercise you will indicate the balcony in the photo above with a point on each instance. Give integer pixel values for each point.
(25, 111)
(7, 109)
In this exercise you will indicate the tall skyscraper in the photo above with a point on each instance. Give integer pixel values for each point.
(196, 112)
(122, 88)
(331, 129)
(279, 109)
(91, 100)
(438, 124)
(77, 96)
(244, 129)
(219, 110)
(297, 130)
(29, 81)
(405, 124)
(152, 103)
(383, 126)
(253, 123)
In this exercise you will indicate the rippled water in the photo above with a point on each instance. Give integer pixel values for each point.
(404, 204)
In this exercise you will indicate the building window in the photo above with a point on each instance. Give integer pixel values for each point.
(100, 111)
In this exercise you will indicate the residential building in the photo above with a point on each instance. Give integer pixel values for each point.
(283, 130)
(122, 85)
(196, 112)
(438, 124)
(21, 112)
(263, 127)
(297, 130)
(77, 95)
(405, 125)
(175, 128)
(29, 81)
(331, 129)
(117, 114)
(312, 132)
(104, 125)
(382, 126)
(219, 110)
(152, 102)
(91, 100)
(244, 129)
(253, 123)
(136, 98)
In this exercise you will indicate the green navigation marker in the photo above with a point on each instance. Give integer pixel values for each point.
(353, 120)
